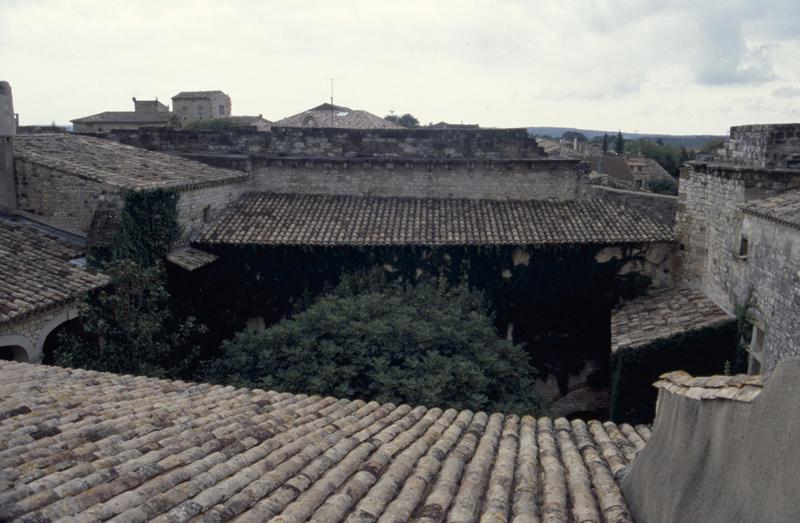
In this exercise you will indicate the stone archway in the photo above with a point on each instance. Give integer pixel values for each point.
(59, 319)
(19, 348)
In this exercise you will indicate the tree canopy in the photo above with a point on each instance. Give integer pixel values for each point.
(619, 144)
(406, 120)
(423, 344)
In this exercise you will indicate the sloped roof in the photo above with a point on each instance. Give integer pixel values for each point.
(113, 163)
(126, 117)
(616, 166)
(660, 314)
(93, 446)
(35, 272)
(303, 219)
(783, 208)
(337, 116)
(190, 258)
(197, 94)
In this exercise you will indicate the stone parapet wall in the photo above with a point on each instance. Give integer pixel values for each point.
(768, 145)
(344, 143)
(525, 179)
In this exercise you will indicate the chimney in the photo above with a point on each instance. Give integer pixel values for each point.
(8, 128)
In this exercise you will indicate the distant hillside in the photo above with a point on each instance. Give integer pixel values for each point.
(689, 141)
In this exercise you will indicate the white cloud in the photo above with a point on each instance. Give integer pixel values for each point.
(666, 66)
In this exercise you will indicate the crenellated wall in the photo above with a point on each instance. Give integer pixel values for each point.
(343, 143)
(766, 145)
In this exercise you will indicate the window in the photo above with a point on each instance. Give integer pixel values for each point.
(743, 247)
(222, 110)
(756, 351)
(206, 214)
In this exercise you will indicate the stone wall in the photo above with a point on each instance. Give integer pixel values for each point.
(661, 207)
(200, 206)
(771, 271)
(58, 199)
(709, 229)
(347, 143)
(527, 179)
(768, 145)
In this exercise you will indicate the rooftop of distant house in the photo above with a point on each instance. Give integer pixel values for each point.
(116, 164)
(330, 115)
(36, 273)
(198, 94)
(127, 117)
(613, 165)
(304, 219)
(93, 446)
(783, 208)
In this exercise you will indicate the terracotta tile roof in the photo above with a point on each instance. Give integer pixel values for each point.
(327, 115)
(190, 258)
(126, 117)
(92, 446)
(616, 166)
(116, 164)
(35, 272)
(295, 219)
(739, 387)
(783, 208)
(661, 314)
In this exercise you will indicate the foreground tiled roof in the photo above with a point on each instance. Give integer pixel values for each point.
(116, 164)
(294, 219)
(783, 208)
(738, 388)
(327, 115)
(660, 314)
(90, 446)
(35, 272)
(126, 117)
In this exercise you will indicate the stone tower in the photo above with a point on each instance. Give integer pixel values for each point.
(8, 128)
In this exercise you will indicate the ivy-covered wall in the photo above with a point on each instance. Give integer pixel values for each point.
(557, 300)
(702, 352)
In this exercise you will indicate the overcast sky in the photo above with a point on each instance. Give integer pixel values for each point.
(679, 66)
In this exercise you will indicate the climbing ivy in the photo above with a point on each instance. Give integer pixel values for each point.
(146, 230)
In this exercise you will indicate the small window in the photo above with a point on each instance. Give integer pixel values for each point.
(206, 214)
(744, 247)
(222, 110)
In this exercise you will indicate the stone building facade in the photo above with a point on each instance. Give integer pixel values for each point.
(192, 106)
(739, 241)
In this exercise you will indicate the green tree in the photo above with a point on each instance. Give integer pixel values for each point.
(408, 120)
(424, 344)
(130, 328)
(571, 135)
(605, 143)
(619, 145)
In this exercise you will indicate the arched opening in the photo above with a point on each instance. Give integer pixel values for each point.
(52, 341)
(13, 353)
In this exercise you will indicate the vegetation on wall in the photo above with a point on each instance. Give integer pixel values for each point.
(374, 338)
(132, 325)
(703, 352)
(556, 300)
